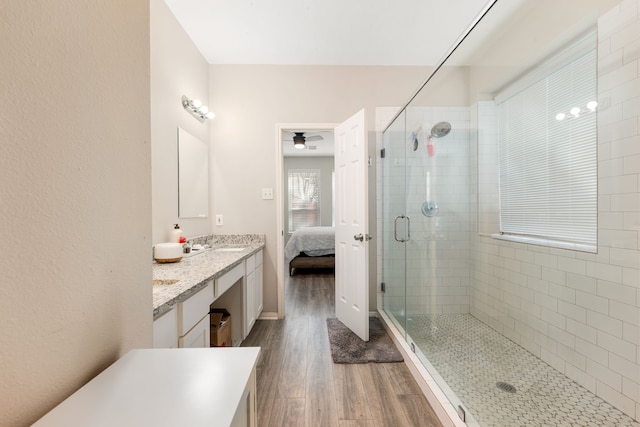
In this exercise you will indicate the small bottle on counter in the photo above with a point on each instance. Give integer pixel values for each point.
(176, 234)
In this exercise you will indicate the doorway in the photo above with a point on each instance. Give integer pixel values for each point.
(314, 147)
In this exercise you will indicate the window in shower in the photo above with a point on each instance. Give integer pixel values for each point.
(548, 164)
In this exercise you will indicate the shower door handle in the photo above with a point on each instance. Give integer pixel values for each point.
(395, 228)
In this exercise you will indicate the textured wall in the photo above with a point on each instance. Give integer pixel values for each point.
(75, 196)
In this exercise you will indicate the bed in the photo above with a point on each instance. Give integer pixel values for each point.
(311, 247)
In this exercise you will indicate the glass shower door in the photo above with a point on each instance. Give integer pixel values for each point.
(395, 224)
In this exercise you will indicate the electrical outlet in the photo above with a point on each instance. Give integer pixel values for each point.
(219, 219)
(267, 194)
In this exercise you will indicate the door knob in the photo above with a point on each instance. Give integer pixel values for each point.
(362, 238)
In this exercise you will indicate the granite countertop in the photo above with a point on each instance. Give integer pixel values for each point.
(194, 271)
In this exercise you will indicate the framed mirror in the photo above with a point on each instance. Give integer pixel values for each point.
(193, 176)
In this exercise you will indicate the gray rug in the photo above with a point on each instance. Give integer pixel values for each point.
(347, 347)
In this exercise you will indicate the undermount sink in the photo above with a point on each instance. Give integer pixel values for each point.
(229, 249)
(165, 282)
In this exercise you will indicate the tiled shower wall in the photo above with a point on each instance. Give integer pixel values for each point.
(577, 311)
(437, 254)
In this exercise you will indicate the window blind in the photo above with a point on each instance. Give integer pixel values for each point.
(548, 151)
(304, 198)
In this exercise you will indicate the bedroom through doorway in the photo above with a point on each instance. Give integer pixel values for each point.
(305, 200)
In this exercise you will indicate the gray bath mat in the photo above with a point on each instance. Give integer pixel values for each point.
(347, 347)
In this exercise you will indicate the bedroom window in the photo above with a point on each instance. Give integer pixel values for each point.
(304, 198)
(548, 164)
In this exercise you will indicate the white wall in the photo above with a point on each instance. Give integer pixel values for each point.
(75, 196)
(177, 68)
(249, 100)
(577, 311)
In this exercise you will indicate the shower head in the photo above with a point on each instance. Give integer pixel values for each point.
(440, 129)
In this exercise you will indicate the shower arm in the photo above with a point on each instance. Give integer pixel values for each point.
(395, 228)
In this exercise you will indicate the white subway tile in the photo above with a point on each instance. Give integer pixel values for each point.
(581, 377)
(626, 312)
(605, 323)
(617, 346)
(616, 398)
(608, 272)
(572, 265)
(592, 351)
(592, 302)
(625, 257)
(605, 375)
(616, 291)
(562, 292)
(582, 283)
(631, 389)
(572, 311)
(624, 367)
(618, 184)
(632, 165)
(631, 277)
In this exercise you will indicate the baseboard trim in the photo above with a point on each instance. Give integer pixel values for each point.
(268, 315)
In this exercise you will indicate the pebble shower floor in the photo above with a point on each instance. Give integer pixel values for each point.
(480, 365)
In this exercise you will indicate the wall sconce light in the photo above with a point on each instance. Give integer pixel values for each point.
(197, 110)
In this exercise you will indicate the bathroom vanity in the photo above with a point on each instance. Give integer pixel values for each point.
(226, 276)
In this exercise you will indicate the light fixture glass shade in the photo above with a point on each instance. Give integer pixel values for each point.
(299, 144)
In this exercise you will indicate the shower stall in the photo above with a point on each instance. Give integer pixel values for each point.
(513, 330)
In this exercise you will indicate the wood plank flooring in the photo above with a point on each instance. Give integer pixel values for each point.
(298, 383)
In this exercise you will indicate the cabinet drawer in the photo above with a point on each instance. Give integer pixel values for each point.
(191, 311)
(259, 257)
(198, 337)
(251, 263)
(227, 280)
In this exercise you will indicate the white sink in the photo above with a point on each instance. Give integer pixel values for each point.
(229, 249)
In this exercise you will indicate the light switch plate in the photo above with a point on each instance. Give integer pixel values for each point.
(267, 194)
(219, 219)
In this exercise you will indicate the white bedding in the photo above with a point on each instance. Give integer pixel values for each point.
(313, 241)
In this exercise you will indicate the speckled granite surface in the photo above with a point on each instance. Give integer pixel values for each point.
(193, 271)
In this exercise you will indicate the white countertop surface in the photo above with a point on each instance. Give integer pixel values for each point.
(161, 387)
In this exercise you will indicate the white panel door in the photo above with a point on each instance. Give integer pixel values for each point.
(352, 225)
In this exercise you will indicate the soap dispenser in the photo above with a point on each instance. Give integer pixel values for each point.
(176, 234)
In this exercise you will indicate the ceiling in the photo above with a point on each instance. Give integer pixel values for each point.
(327, 32)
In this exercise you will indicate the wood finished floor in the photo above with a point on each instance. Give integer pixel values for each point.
(298, 383)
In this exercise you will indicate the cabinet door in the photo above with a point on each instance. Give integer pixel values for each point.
(258, 293)
(249, 300)
(165, 330)
(198, 337)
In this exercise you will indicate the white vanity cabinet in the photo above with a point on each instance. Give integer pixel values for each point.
(253, 291)
(193, 319)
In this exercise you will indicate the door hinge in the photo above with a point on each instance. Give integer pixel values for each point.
(383, 287)
(382, 153)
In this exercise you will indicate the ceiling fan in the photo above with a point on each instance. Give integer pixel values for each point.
(299, 139)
